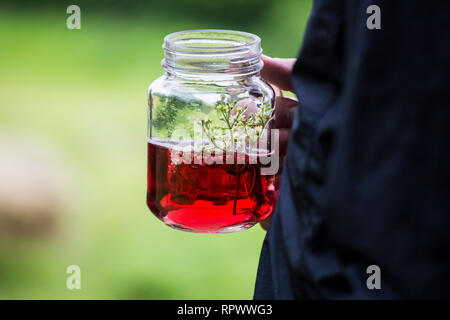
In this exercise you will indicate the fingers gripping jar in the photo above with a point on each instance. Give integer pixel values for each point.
(211, 150)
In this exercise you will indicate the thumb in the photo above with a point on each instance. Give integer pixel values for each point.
(278, 72)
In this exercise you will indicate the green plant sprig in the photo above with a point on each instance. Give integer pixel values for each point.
(236, 125)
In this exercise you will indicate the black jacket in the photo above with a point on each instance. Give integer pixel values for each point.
(367, 174)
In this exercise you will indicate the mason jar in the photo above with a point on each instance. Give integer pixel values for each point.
(211, 148)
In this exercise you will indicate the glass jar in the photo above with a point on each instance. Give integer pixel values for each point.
(212, 156)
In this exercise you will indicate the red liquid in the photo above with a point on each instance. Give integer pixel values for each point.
(207, 198)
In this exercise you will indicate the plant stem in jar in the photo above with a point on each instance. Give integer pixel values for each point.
(238, 184)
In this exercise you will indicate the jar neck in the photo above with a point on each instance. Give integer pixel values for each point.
(212, 54)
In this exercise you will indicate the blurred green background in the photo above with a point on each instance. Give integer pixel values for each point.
(73, 151)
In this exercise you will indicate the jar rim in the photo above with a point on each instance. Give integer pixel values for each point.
(212, 51)
(179, 42)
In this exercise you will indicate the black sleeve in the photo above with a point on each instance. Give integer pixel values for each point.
(367, 174)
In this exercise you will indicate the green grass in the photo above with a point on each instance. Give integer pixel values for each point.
(84, 92)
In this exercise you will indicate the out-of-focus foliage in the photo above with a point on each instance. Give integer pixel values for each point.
(244, 12)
